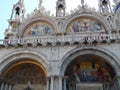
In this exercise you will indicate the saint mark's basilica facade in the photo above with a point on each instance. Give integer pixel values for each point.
(79, 50)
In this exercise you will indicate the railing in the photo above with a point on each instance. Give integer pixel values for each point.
(43, 40)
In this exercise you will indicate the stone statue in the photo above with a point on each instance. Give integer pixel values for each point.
(109, 19)
(82, 3)
(40, 4)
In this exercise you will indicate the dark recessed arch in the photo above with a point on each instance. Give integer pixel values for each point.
(107, 56)
(30, 21)
(24, 71)
(89, 68)
(91, 16)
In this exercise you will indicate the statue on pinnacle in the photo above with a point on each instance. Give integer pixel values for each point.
(40, 4)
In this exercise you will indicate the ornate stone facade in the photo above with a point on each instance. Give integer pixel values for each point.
(76, 51)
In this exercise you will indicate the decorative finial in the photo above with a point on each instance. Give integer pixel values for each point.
(40, 4)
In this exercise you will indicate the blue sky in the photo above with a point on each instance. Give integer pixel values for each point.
(30, 5)
(5, 12)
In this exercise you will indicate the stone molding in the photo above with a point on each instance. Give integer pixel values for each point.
(87, 40)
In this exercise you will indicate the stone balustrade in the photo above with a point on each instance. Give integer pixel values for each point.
(62, 40)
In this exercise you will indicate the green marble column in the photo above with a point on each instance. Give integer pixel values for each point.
(118, 83)
(115, 85)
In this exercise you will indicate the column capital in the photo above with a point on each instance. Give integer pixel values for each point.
(51, 76)
(58, 76)
(61, 76)
(65, 77)
(116, 77)
(47, 78)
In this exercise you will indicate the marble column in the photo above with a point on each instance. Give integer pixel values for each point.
(118, 82)
(52, 83)
(64, 83)
(2, 86)
(60, 82)
(48, 83)
(10, 87)
(6, 86)
(0, 82)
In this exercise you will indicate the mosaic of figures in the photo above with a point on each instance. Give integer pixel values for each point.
(85, 25)
(87, 72)
(39, 28)
(22, 74)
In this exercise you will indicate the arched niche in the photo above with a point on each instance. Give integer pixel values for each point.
(30, 22)
(89, 68)
(86, 24)
(38, 28)
(104, 54)
(13, 62)
(23, 55)
(24, 71)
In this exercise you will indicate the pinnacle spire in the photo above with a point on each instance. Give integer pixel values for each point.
(104, 6)
(60, 8)
(82, 3)
(18, 10)
(40, 4)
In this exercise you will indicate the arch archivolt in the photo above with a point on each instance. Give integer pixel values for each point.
(109, 57)
(25, 57)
